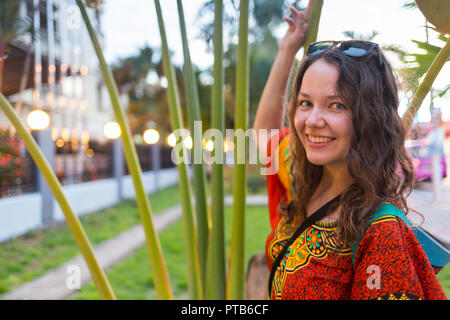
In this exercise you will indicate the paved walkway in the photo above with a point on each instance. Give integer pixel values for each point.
(436, 213)
(52, 285)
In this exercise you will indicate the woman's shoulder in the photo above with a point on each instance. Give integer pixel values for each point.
(387, 231)
(388, 239)
(390, 252)
(388, 222)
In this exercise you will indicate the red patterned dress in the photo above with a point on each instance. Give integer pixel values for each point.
(389, 262)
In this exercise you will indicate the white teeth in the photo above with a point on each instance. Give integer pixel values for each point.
(319, 139)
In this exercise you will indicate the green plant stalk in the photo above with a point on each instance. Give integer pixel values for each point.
(193, 107)
(98, 275)
(426, 84)
(235, 285)
(157, 263)
(216, 275)
(189, 223)
(313, 24)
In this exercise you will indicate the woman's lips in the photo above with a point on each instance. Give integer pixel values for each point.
(318, 141)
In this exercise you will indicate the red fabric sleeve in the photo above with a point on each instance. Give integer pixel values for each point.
(391, 264)
(275, 190)
(267, 254)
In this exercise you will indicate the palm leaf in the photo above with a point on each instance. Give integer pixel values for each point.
(216, 253)
(11, 25)
(420, 62)
(235, 287)
(193, 107)
(426, 84)
(157, 263)
(189, 223)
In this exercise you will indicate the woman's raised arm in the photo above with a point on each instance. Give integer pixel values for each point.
(270, 109)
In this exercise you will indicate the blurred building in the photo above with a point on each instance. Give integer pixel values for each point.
(53, 67)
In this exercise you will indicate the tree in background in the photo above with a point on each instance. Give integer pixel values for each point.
(141, 78)
(11, 27)
(131, 75)
(417, 65)
(436, 13)
(266, 16)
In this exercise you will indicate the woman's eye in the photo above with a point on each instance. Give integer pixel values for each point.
(338, 106)
(305, 103)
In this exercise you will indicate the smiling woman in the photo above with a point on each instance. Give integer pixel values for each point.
(342, 232)
(349, 166)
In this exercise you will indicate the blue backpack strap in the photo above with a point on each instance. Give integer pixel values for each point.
(438, 254)
(386, 209)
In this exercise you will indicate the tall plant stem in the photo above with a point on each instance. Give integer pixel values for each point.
(426, 84)
(235, 285)
(189, 223)
(216, 273)
(157, 263)
(98, 275)
(313, 23)
(193, 107)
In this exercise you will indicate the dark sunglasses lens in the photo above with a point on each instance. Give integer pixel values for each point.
(319, 47)
(356, 49)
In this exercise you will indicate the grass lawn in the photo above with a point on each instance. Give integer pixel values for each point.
(30, 256)
(444, 280)
(132, 279)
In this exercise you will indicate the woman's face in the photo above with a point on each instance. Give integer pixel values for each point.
(322, 120)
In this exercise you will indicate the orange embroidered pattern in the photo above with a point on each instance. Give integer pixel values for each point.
(315, 242)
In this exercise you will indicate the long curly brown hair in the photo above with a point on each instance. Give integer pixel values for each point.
(377, 160)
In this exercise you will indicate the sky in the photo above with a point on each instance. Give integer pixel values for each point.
(131, 24)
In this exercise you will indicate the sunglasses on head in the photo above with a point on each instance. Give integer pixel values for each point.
(352, 48)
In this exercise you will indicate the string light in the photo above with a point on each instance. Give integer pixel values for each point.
(38, 120)
(112, 130)
(59, 143)
(209, 145)
(65, 134)
(54, 134)
(84, 70)
(151, 136)
(188, 143)
(85, 138)
(171, 140)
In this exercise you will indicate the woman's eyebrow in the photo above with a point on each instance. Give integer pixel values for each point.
(304, 94)
(328, 97)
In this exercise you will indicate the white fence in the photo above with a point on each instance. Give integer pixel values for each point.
(23, 213)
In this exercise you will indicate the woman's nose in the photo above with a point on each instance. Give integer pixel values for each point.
(315, 119)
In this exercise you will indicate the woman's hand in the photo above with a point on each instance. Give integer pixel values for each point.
(294, 38)
(270, 109)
